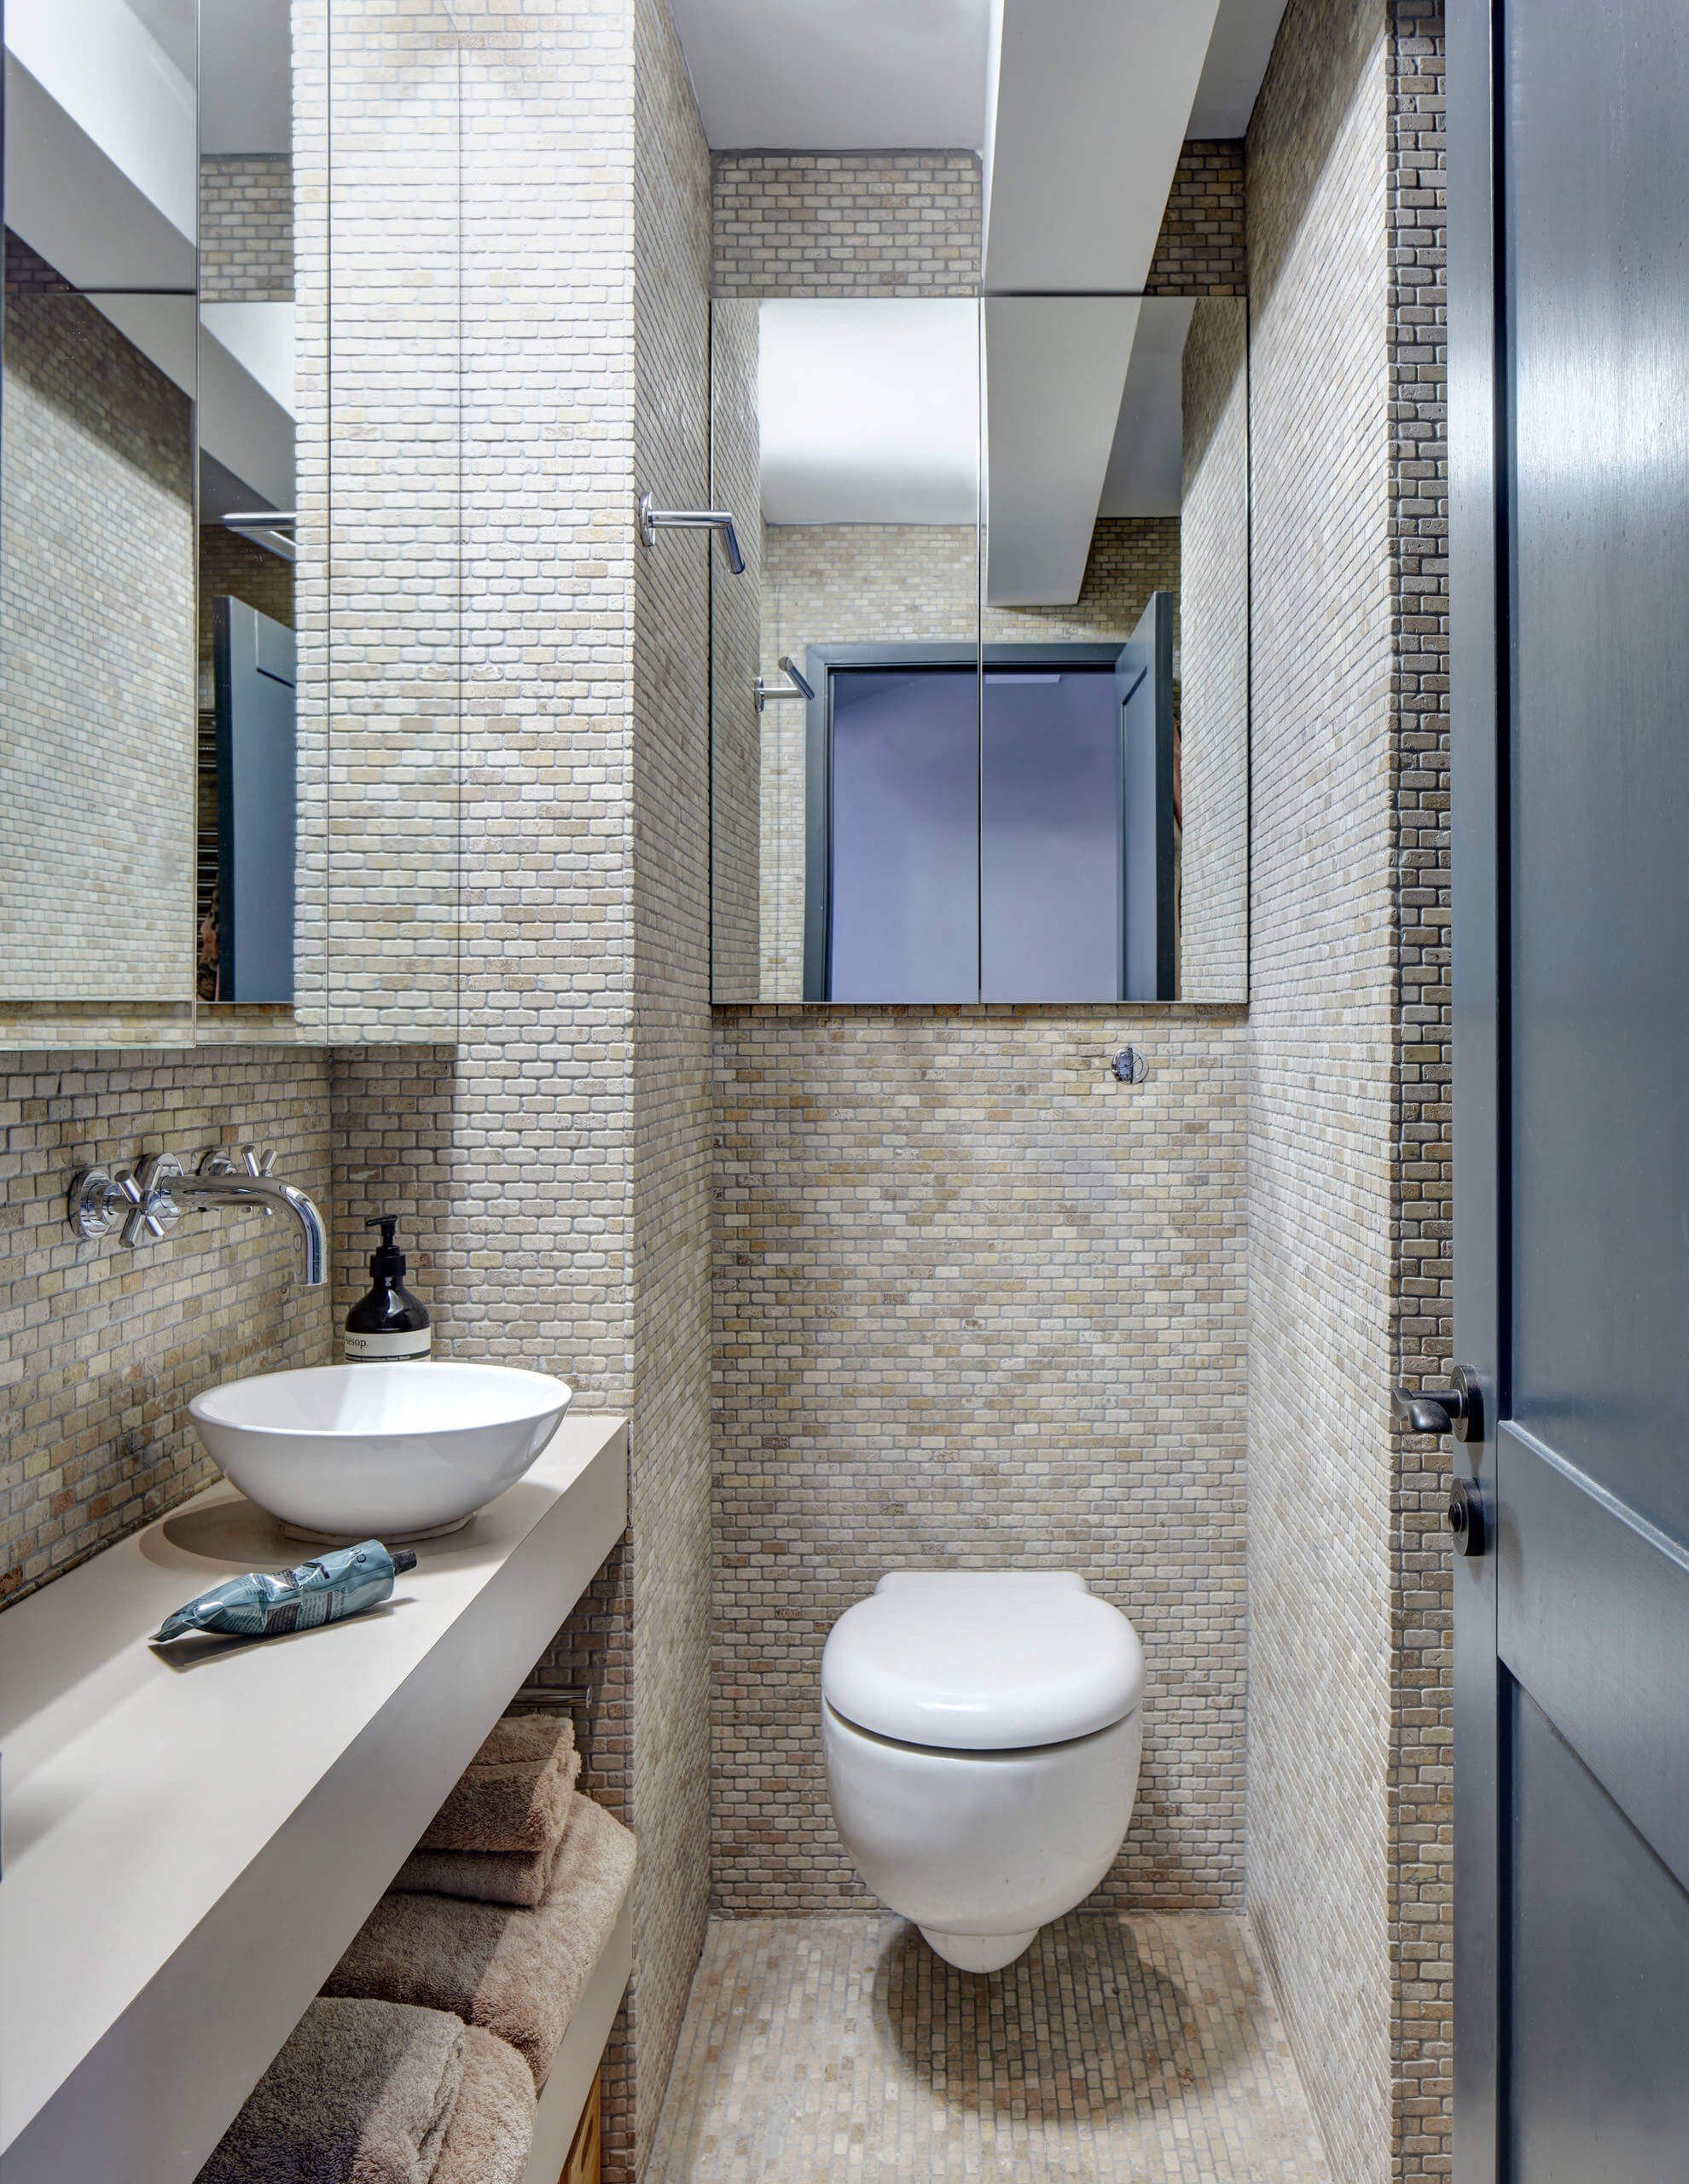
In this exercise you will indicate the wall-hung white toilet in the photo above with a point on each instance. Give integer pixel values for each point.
(983, 1733)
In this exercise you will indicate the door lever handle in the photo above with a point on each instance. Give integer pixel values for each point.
(1443, 1410)
(1425, 1414)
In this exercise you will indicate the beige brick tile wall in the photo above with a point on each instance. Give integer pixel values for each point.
(101, 1348)
(1350, 1167)
(735, 639)
(1213, 656)
(380, 430)
(1201, 250)
(887, 223)
(847, 224)
(310, 171)
(671, 858)
(96, 621)
(977, 1304)
(510, 1161)
(553, 1171)
(1320, 1038)
(1420, 1812)
(247, 226)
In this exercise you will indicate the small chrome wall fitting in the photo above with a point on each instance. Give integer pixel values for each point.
(651, 519)
(801, 688)
(1129, 1065)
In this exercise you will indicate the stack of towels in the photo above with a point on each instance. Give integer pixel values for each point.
(423, 2060)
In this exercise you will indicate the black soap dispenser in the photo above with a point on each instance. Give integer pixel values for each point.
(388, 1323)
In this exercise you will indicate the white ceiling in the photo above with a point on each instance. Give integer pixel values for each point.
(855, 75)
(837, 75)
(869, 411)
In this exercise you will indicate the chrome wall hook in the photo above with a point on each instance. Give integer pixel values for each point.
(802, 689)
(652, 520)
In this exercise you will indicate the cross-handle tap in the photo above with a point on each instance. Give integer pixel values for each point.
(149, 1199)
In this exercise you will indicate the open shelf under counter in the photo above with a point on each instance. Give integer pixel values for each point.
(191, 1836)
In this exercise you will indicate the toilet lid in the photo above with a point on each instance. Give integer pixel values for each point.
(982, 1661)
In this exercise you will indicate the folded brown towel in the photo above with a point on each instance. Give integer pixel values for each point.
(488, 1876)
(492, 2126)
(514, 1795)
(516, 1973)
(483, 1876)
(362, 2093)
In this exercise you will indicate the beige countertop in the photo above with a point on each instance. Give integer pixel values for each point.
(191, 1836)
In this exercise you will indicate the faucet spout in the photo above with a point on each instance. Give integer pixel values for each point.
(212, 1188)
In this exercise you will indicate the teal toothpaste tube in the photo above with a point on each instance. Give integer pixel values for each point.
(268, 1603)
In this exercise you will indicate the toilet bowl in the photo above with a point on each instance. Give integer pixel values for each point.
(981, 1733)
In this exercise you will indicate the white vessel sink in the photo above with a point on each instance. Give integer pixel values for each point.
(390, 1452)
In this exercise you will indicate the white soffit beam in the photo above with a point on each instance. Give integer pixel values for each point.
(246, 395)
(837, 75)
(246, 76)
(1146, 465)
(102, 158)
(1093, 101)
(1238, 53)
(868, 411)
(1055, 373)
(243, 367)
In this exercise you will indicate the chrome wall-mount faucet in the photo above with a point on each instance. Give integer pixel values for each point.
(148, 1200)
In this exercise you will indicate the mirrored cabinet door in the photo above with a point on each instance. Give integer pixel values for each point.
(97, 520)
(849, 430)
(251, 783)
(981, 694)
(230, 776)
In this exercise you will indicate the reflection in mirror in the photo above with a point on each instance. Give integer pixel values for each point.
(96, 510)
(1022, 772)
(854, 427)
(248, 776)
(189, 782)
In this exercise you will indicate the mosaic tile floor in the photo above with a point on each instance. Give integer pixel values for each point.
(841, 2051)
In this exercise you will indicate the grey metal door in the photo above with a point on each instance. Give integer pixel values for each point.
(1144, 684)
(1570, 413)
(257, 801)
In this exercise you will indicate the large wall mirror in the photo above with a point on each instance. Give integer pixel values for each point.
(981, 694)
(227, 805)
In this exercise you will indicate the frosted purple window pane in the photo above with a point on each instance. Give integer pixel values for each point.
(905, 834)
